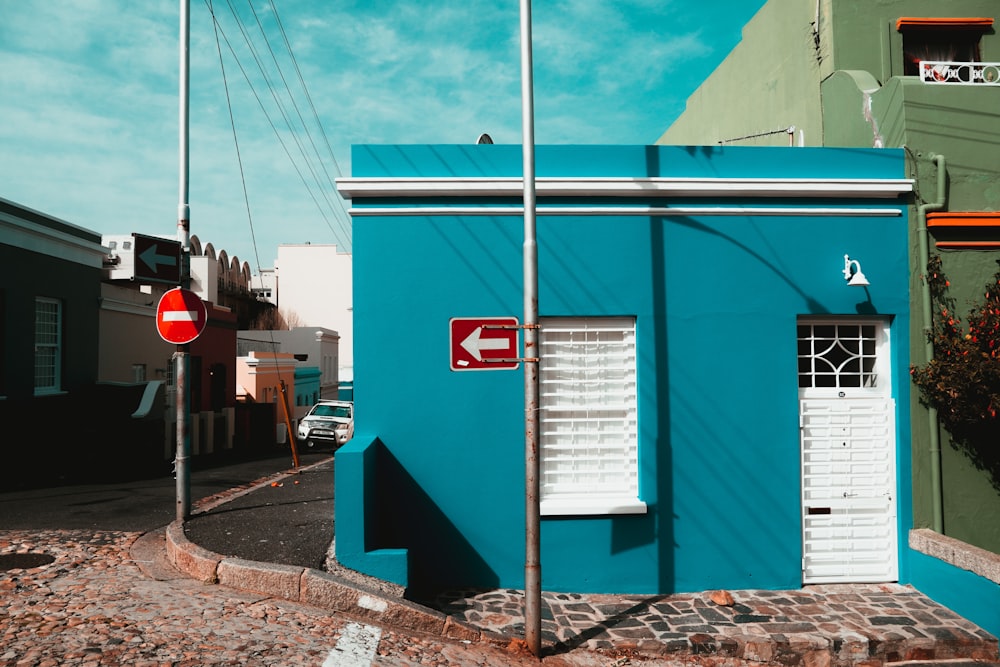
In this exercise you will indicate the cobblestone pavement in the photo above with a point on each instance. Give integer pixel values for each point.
(826, 625)
(95, 598)
(108, 597)
(818, 626)
(94, 604)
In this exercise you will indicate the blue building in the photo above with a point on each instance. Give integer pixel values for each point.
(724, 393)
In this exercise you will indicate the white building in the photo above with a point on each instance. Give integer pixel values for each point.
(312, 287)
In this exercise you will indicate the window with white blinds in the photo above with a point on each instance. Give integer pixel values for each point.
(589, 452)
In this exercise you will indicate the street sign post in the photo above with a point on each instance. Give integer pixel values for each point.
(484, 343)
(181, 316)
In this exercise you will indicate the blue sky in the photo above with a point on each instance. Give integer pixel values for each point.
(90, 98)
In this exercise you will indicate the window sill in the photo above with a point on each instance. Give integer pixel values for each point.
(592, 506)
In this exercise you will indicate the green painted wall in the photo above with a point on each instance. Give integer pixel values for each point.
(769, 82)
(834, 69)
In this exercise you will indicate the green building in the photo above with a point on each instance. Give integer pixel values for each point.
(922, 75)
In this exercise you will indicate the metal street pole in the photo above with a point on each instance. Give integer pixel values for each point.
(532, 558)
(181, 357)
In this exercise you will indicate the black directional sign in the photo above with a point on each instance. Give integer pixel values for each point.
(157, 259)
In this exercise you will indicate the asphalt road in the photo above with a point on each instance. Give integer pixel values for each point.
(132, 505)
(289, 521)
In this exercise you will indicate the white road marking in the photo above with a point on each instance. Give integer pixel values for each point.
(356, 646)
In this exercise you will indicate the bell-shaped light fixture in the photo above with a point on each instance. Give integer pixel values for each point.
(852, 273)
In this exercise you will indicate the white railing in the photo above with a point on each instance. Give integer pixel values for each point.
(944, 71)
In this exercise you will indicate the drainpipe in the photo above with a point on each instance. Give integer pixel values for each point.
(927, 316)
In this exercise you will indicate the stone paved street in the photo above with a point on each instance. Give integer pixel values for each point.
(829, 624)
(106, 596)
(94, 604)
(98, 598)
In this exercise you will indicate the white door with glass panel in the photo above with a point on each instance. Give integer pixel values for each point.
(848, 449)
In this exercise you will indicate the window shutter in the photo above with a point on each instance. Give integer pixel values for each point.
(588, 405)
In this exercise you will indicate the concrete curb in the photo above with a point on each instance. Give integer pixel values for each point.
(189, 558)
(312, 587)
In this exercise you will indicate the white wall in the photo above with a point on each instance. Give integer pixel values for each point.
(314, 284)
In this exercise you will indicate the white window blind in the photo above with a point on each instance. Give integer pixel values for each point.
(48, 345)
(587, 400)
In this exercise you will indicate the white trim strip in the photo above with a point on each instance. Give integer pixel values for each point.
(361, 187)
(648, 211)
(33, 236)
(597, 505)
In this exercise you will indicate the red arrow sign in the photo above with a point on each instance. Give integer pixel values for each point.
(484, 343)
(181, 316)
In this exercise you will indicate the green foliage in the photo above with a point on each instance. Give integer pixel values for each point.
(962, 381)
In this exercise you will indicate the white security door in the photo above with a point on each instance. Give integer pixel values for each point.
(847, 422)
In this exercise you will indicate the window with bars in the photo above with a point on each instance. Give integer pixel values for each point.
(839, 355)
(48, 345)
(589, 458)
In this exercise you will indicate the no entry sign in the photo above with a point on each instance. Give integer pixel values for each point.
(484, 343)
(180, 316)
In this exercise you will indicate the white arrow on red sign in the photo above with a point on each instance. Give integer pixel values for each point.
(474, 344)
(484, 343)
(181, 316)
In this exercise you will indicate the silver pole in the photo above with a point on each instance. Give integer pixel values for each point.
(183, 406)
(532, 559)
(183, 211)
(183, 400)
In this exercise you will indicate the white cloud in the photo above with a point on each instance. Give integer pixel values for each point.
(90, 103)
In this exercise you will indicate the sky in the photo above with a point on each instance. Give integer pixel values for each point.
(281, 89)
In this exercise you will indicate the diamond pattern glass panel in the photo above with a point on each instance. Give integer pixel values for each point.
(837, 356)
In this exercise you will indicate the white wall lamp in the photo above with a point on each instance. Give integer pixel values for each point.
(855, 278)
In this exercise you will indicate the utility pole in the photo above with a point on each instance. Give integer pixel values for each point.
(182, 468)
(532, 558)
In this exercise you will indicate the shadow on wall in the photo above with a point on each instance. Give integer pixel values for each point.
(405, 517)
(663, 463)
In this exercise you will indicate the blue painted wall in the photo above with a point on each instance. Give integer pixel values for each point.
(306, 385)
(345, 391)
(716, 301)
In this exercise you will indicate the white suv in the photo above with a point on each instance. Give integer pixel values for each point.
(328, 422)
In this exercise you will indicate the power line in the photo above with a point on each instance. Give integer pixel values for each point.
(305, 90)
(236, 142)
(292, 98)
(323, 189)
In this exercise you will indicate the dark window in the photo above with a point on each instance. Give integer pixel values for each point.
(195, 383)
(217, 375)
(946, 39)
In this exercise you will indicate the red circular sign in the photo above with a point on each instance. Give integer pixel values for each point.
(180, 316)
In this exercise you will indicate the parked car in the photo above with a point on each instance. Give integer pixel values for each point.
(327, 422)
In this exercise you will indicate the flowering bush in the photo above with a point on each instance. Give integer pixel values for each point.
(962, 381)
